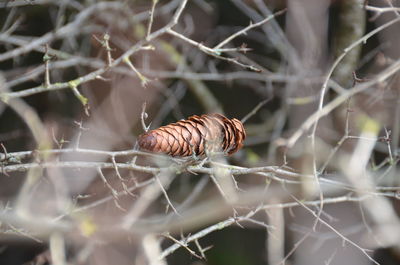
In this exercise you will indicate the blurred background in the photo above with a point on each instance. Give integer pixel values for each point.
(315, 81)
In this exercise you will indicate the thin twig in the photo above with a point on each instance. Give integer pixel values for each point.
(310, 121)
(322, 111)
(93, 75)
(151, 18)
(182, 244)
(166, 194)
(46, 59)
(363, 250)
(255, 110)
(144, 116)
(113, 191)
(249, 27)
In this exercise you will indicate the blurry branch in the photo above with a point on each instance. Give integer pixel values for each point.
(57, 248)
(347, 51)
(218, 50)
(167, 8)
(273, 31)
(143, 117)
(197, 87)
(105, 43)
(12, 162)
(28, 115)
(114, 193)
(233, 220)
(42, 139)
(42, 227)
(213, 52)
(161, 184)
(207, 99)
(195, 216)
(80, 97)
(17, 3)
(343, 237)
(379, 209)
(254, 111)
(244, 31)
(338, 64)
(380, 10)
(152, 249)
(96, 63)
(350, 30)
(36, 45)
(192, 215)
(21, 41)
(77, 164)
(183, 245)
(345, 137)
(312, 121)
(151, 13)
(72, 27)
(46, 59)
(137, 186)
(127, 191)
(67, 30)
(275, 241)
(18, 156)
(328, 108)
(148, 195)
(143, 80)
(294, 248)
(9, 25)
(220, 76)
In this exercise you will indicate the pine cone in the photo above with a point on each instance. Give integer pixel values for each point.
(197, 135)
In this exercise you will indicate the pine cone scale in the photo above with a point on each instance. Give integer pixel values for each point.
(227, 135)
(172, 139)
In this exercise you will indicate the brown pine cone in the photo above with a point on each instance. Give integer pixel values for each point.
(197, 135)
